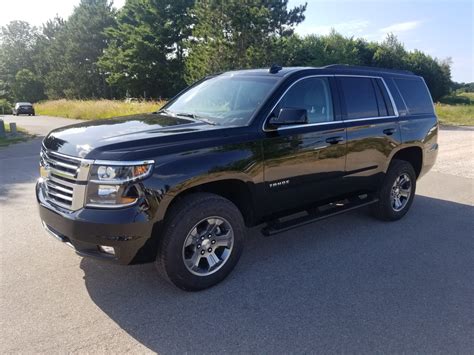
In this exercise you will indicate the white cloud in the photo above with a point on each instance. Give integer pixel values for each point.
(349, 28)
(401, 27)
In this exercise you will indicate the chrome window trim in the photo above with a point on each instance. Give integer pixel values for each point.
(395, 109)
(369, 118)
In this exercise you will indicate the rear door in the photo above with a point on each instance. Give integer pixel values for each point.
(373, 130)
(305, 163)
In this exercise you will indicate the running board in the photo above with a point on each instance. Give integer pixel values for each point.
(317, 213)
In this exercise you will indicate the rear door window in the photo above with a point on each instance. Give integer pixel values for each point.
(415, 95)
(359, 97)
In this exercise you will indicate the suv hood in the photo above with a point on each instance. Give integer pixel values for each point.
(80, 140)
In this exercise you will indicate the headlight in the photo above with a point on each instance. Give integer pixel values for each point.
(111, 184)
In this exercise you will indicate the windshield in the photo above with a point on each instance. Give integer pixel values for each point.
(223, 100)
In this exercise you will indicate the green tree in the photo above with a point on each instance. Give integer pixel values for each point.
(73, 48)
(27, 86)
(50, 57)
(390, 53)
(17, 48)
(314, 50)
(234, 34)
(146, 51)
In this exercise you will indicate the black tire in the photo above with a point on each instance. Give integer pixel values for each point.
(384, 208)
(182, 218)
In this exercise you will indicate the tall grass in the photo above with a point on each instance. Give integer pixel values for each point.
(456, 109)
(95, 109)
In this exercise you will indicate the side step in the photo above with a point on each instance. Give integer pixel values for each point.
(317, 213)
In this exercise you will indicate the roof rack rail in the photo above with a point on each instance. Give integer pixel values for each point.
(363, 68)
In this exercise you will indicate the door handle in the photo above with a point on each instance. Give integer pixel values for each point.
(334, 140)
(389, 131)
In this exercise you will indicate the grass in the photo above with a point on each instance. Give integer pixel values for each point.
(95, 109)
(456, 109)
(21, 136)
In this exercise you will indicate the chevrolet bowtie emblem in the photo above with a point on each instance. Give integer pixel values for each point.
(45, 171)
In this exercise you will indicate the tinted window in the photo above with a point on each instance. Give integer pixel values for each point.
(415, 94)
(312, 94)
(359, 97)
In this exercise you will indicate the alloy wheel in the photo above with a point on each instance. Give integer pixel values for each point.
(401, 192)
(208, 246)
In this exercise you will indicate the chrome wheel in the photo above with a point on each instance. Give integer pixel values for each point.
(401, 192)
(208, 246)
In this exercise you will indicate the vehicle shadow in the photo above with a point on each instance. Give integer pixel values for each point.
(350, 283)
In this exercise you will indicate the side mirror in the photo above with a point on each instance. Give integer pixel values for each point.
(289, 116)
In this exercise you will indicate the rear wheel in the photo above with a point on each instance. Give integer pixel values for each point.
(201, 242)
(396, 193)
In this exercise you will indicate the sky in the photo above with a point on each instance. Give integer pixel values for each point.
(441, 28)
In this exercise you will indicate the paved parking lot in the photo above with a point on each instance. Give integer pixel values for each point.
(345, 284)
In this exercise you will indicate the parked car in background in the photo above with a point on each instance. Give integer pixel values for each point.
(23, 108)
(281, 147)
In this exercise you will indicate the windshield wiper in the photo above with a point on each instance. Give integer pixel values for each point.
(165, 111)
(195, 117)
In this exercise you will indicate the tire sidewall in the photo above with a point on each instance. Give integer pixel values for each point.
(177, 231)
(399, 168)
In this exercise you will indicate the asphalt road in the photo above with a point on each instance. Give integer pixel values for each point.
(345, 284)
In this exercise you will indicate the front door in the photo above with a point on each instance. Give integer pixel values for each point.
(305, 163)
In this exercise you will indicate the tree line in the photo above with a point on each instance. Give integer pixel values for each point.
(155, 48)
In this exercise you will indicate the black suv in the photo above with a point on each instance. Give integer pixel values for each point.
(23, 108)
(280, 147)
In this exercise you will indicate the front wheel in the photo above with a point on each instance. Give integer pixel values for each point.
(201, 242)
(396, 193)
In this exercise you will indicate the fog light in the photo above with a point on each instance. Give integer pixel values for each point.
(107, 250)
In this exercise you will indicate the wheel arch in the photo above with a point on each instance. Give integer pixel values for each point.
(237, 191)
(412, 155)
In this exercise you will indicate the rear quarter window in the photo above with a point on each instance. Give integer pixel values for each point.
(415, 94)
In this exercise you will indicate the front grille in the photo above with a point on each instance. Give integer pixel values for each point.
(63, 182)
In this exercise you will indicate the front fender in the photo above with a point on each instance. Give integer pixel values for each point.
(176, 173)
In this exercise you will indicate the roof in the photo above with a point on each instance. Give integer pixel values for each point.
(328, 69)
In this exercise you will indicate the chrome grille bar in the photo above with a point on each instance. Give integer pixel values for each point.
(65, 183)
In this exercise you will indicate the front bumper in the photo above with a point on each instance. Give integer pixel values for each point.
(25, 111)
(127, 230)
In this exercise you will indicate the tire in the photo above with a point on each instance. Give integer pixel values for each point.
(388, 208)
(200, 218)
